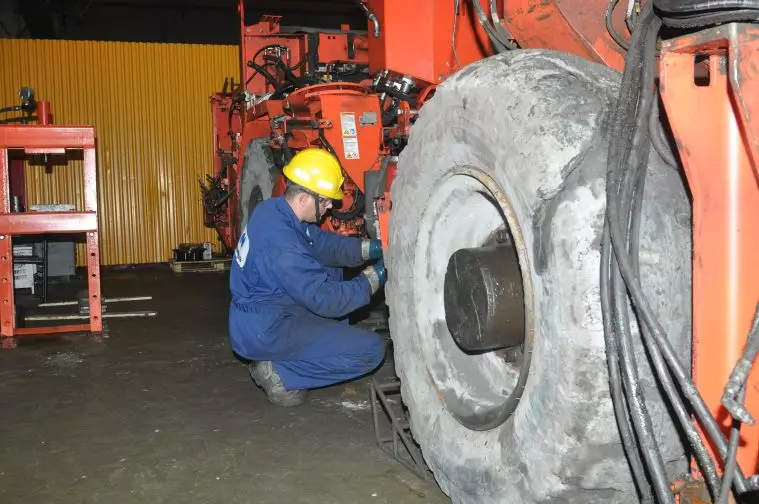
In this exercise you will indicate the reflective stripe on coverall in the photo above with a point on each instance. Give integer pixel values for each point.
(287, 289)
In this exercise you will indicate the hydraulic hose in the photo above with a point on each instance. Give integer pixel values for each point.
(396, 93)
(499, 45)
(266, 75)
(658, 140)
(731, 461)
(371, 17)
(639, 414)
(287, 152)
(714, 18)
(705, 461)
(615, 381)
(623, 188)
(356, 208)
(621, 42)
(696, 6)
(504, 34)
(653, 332)
(389, 115)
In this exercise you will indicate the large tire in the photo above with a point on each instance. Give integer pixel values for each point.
(519, 140)
(257, 177)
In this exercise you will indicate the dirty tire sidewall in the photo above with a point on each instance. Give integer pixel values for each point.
(257, 177)
(535, 122)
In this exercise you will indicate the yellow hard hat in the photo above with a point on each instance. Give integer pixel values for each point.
(317, 170)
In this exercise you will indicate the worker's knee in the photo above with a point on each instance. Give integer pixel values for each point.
(370, 354)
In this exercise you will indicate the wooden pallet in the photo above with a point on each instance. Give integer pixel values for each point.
(201, 266)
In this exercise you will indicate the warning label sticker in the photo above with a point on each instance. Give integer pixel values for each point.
(350, 146)
(348, 124)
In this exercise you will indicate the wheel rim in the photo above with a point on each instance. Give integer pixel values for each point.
(480, 389)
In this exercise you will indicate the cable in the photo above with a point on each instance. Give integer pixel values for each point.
(266, 75)
(732, 396)
(732, 399)
(621, 188)
(610, 27)
(713, 18)
(355, 209)
(646, 315)
(692, 6)
(658, 140)
(453, 35)
(620, 151)
(370, 16)
(617, 397)
(731, 462)
(503, 32)
(302, 62)
(289, 75)
(703, 457)
(632, 7)
(648, 107)
(252, 76)
(627, 165)
(615, 313)
(499, 45)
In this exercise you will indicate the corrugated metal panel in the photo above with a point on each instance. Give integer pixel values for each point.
(149, 106)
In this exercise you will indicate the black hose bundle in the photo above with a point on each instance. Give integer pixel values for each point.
(633, 130)
(700, 13)
(293, 81)
(496, 33)
(353, 211)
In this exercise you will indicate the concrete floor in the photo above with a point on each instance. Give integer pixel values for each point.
(159, 410)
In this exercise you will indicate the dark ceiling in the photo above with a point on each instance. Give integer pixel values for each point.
(183, 21)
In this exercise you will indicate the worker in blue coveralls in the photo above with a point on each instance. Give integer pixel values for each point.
(288, 292)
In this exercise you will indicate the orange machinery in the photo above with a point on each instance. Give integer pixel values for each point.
(393, 70)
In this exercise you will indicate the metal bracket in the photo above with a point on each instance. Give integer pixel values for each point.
(398, 442)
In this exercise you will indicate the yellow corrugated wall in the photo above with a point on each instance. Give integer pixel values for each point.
(149, 105)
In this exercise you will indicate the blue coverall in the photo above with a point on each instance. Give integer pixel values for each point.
(288, 289)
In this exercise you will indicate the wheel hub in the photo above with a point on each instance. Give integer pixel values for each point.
(484, 299)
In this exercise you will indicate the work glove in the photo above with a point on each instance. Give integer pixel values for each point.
(371, 250)
(376, 275)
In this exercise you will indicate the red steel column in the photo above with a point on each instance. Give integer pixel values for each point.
(7, 310)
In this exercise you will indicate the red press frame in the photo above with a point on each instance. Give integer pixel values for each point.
(44, 139)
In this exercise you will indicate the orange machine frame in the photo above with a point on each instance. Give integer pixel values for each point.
(548, 24)
(718, 140)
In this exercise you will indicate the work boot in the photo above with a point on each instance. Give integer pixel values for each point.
(266, 377)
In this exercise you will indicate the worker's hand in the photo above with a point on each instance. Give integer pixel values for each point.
(371, 249)
(376, 275)
(379, 268)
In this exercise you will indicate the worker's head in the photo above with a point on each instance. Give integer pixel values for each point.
(314, 179)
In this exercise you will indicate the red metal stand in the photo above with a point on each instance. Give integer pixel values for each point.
(45, 139)
(717, 132)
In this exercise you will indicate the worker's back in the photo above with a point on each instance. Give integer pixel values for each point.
(253, 280)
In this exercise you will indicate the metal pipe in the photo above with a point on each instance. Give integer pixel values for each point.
(107, 300)
(372, 17)
(75, 316)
